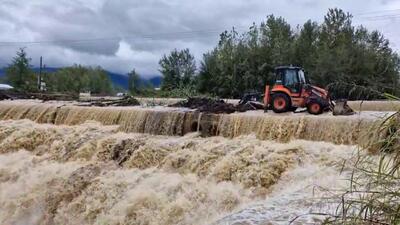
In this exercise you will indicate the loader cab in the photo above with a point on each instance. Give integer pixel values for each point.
(291, 77)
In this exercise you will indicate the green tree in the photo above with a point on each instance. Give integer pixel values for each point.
(276, 38)
(246, 62)
(77, 78)
(19, 74)
(305, 46)
(334, 48)
(206, 83)
(133, 82)
(334, 51)
(178, 69)
(97, 81)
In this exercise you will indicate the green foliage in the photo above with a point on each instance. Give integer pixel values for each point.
(138, 87)
(133, 82)
(182, 92)
(78, 79)
(334, 51)
(19, 74)
(247, 61)
(178, 69)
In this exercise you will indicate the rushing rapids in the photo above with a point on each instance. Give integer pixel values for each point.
(65, 164)
(96, 174)
(161, 121)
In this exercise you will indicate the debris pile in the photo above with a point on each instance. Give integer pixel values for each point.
(216, 106)
(3, 96)
(54, 96)
(13, 94)
(251, 105)
(342, 108)
(125, 101)
(206, 105)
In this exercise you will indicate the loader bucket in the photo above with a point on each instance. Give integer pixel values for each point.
(341, 108)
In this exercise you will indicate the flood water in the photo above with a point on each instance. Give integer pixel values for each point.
(71, 165)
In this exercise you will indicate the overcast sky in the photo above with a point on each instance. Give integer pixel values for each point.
(123, 34)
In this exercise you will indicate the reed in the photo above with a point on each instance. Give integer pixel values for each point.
(373, 196)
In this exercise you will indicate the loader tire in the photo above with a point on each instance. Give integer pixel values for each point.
(280, 103)
(315, 107)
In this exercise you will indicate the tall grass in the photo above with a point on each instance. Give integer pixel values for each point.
(373, 196)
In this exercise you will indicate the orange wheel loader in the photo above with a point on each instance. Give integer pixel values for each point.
(293, 90)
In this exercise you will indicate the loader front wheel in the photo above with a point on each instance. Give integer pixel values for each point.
(280, 103)
(315, 108)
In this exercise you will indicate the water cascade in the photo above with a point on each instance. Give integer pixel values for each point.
(95, 174)
(342, 130)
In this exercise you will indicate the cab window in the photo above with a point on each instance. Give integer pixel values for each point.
(302, 77)
(291, 78)
(279, 77)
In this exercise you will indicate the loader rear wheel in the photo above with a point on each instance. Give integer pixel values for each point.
(280, 103)
(315, 108)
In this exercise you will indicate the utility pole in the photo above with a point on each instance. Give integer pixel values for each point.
(40, 74)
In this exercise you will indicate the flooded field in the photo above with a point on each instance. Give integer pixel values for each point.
(63, 164)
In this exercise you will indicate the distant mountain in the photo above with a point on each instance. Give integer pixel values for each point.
(116, 78)
(156, 81)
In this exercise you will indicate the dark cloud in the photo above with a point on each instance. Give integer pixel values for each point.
(137, 33)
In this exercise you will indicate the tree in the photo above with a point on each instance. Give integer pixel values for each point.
(305, 46)
(335, 46)
(178, 69)
(334, 51)
(277, 38)
(98, 81)
(19, 74)
(77, 78)
(246, 62)
(133, 82)
(209, 66)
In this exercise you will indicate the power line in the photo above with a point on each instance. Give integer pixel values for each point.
(380, 17)
(156, 36)
(182, 34)
(376, 12)
(390, 14)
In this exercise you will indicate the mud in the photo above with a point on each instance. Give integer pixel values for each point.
(208, 105)
(217, 106)
(102, 102)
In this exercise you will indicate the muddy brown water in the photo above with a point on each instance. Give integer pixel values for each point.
(62, 164)
(172, 122)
